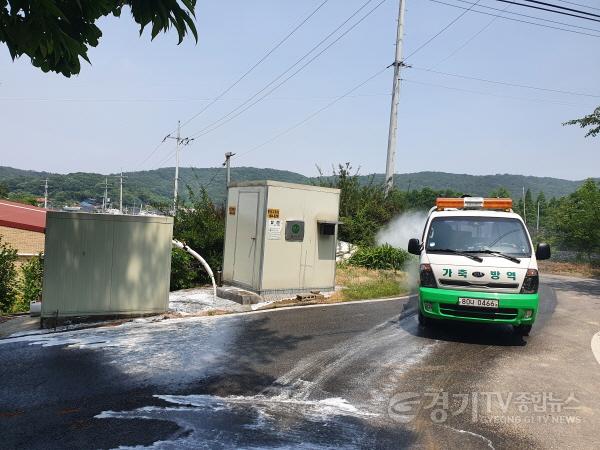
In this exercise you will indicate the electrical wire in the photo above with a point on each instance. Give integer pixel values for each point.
(254, 66)
(232, 114)
(529, 17)
(229, 117)
(452, 22)
(519, 20)
(512, 97)
(553, 5)
(504, 83)
(258, 63)
(579, 4)
(548, 10)
(468, 41)
(315, 113)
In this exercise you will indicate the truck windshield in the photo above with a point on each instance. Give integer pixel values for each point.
(479, 234)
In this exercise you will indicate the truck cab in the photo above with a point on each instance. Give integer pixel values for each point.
(478, 264)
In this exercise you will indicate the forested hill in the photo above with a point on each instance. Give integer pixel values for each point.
(156, 186)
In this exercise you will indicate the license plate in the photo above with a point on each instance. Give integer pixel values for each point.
(478, 302)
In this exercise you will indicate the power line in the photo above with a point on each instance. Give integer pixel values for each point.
(315, 113)
(254, 66)
(549, 10)
(504, 83)
(258, 63)
(468, 41)
(471, 91)
(242, 108)
(579, 4)
(452, 22)
(520, 20)
(553, 5)
(529, 17)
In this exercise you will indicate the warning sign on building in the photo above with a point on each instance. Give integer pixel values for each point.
(274, 229)
(273, 213)
(232, 210)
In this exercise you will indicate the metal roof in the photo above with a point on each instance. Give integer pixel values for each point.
(24, 217)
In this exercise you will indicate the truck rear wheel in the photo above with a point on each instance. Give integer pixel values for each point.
(522, 330)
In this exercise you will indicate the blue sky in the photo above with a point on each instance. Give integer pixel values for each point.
(117, 110)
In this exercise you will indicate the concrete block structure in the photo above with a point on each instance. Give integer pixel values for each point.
(106, 265)
(280, 237)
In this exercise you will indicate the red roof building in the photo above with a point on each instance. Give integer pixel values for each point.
(23, 228)
(23, 217)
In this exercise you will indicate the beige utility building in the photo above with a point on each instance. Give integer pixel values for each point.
(280, 237)
(106, 265)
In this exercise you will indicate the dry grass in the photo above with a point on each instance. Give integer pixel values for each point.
(359, 283)
(582, 270)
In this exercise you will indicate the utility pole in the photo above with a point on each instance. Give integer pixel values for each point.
(537, 225)
(390, 165)
(121, 191)
(524, 210)
(46, 194)
(227, 166)
(180, 141)
(105, 198)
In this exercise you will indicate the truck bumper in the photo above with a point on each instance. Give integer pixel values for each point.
(514, 309)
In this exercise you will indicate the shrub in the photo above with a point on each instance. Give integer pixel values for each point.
(383, 257)
(201, 225)
(32, 275)
(184, 273)
(8, 276)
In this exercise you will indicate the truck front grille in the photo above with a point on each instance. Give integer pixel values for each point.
(478, 313)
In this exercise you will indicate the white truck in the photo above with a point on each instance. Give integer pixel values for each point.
(477, 264)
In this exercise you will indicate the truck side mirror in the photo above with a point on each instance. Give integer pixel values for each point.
(414, 246)
(542, 251)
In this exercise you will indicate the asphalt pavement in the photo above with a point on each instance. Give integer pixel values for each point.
(355, 375)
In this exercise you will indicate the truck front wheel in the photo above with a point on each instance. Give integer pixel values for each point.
(522, 330)
(424, 321)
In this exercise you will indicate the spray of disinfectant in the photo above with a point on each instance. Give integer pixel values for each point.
(398, 232)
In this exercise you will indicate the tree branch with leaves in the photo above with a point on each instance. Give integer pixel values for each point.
(591, 121)
(56, 34)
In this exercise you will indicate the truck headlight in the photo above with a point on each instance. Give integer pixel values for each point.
(427, 277)
(531, 282)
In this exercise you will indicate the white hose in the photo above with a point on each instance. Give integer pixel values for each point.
(183, 246)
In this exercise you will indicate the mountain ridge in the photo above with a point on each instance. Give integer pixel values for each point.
(156, 186)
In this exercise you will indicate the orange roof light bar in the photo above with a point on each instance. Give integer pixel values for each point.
(474, 203)
(497, 203)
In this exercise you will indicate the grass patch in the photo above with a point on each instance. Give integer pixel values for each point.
(360, 283)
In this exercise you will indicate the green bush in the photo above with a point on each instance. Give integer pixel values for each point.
(32, 273)
(184, 271)
(383, 257)
(385, 287)
(201, 225)
(8, 277)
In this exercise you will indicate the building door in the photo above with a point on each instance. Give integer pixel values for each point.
(246, 238)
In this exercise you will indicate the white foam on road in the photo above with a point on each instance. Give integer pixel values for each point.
(596, 346)
(303, 400)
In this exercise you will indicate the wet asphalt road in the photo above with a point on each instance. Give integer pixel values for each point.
(360, 375)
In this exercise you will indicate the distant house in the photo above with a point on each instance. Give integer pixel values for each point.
(23, 227)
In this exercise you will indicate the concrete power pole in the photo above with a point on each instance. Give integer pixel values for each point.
(46, 194)
(227, 165)
(180, 141)
(537, 224)
(390, 166)
(121, 192)
(524, 207)
(105, 198)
